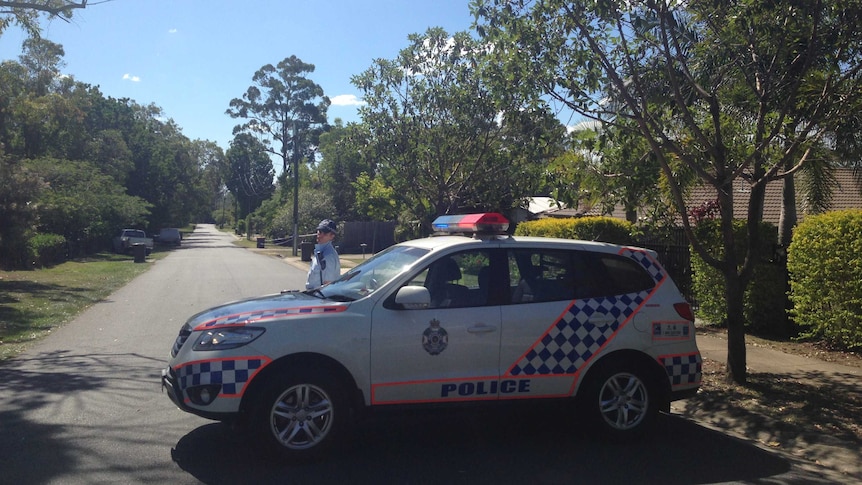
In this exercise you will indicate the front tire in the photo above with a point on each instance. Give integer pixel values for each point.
(300, 417)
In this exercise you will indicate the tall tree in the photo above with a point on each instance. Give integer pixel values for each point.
(283, 106)
(720, 90)
(441, 140)
(286, 107)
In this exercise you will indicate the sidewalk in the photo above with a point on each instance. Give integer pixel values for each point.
(761, 359)
(770, 432)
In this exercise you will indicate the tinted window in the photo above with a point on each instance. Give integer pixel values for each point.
(624, 275)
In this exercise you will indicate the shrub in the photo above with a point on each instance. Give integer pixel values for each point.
(764, 295)
(46, 249)
(605, 229)
(824, 261)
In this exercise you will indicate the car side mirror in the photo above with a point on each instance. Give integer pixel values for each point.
(413, 298)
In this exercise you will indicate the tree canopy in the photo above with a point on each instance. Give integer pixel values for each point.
(87, 165)
(441, 140)
(719, 90)
(251, 175)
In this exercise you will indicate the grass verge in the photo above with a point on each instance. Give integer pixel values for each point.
(34, 302)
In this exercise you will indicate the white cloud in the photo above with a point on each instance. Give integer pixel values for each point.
(129, 77)
(346, 100)
(172, 31)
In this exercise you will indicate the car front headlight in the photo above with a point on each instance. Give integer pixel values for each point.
(227, 338)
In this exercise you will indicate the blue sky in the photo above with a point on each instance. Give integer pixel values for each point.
(191, 57)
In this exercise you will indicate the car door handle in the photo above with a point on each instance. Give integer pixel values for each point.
(601, 321)
(481, 329)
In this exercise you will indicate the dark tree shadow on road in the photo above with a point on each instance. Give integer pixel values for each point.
(489, 447)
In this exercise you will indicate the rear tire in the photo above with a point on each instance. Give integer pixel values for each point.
(299, 416)
(621, 401)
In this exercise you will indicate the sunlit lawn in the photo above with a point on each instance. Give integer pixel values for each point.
(34, 302)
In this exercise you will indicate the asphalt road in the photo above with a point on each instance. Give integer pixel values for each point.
(84, 406)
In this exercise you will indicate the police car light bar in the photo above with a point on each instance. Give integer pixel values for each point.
(487, 222)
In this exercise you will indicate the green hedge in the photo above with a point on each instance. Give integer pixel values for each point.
(46, 249)
(605, 229)
(764, 297)
(825, 264)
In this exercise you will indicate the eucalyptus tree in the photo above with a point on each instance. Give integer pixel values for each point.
(283, 107)
(439, 137)
(721, 90)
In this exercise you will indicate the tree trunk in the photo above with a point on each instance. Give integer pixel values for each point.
(787, 219)
(786, 222)
(736, 358)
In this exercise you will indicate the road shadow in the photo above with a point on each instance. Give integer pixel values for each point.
(37, 444)
(481, 447)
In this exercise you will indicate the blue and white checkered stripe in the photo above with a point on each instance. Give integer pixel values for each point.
(683, 369)
(232, 374)
(573, 339)
(250, 317)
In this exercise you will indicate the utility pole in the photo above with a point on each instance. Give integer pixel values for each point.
(295, 189)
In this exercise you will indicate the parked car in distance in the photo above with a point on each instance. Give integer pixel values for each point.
(169, 235)
(444, 321)
(129, 237)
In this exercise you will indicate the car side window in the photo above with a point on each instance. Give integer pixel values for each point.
(541, 275)
(457, 280)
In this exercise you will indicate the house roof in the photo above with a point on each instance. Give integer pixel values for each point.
(538, 205)
(846, 194)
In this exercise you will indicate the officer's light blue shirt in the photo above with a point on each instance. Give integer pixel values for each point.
(325, 266)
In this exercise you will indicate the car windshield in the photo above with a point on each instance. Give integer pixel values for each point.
(372, 274)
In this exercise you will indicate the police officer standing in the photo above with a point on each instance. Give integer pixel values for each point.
(325, 265)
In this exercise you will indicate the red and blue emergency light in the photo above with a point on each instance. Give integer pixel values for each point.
(486, 222)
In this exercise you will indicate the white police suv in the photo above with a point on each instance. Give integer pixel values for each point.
(446, 319)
